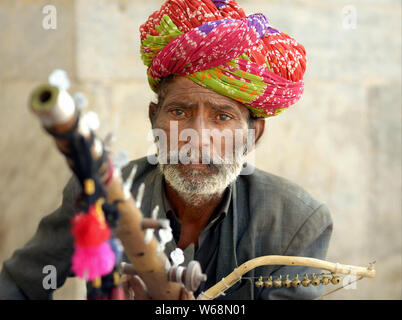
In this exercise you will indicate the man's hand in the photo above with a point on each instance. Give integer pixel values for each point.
(135, 289)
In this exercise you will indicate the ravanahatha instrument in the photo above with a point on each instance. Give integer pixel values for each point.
(109, 219)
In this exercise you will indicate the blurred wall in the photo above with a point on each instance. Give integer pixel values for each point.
(341, 142)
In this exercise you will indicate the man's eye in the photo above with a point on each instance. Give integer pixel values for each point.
(223, 117)
(177, 112)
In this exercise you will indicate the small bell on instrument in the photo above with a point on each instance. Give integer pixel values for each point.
(335, 279)
(306, 281)
(287, 283)
(296, 282)
(315, 281)
(268, 283)
(325, 279)
(259, 283)
(278, 282)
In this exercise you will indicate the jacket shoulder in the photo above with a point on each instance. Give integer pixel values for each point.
(279, 210)
(279, 190)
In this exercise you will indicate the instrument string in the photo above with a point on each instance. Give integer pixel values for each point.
(341, 287)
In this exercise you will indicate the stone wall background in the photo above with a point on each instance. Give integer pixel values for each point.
(341, 142)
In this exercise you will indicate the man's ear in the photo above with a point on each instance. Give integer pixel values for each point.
(152, 111)
(259, 127)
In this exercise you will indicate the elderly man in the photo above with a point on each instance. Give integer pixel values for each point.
(214, 70)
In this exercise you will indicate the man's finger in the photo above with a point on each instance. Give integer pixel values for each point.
(140, 290)
(186, 295)
(128, 292)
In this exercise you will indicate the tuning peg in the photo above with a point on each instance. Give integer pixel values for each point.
(287, 283)
(121, 158)
(325, 279)
(268, 283)
(177, 257)
(296, 282)
(315, 281)
(126, 268)
(278, 282)
(371, 265)
(107, 144)
(259, 283)
(157, 224)
(59, 78)
(306, 281)
(335, 279)
(140, 195)
(190, 277)
(128, 183)
(80, 100)
(165, 235)
(91, 119)
(150, 232)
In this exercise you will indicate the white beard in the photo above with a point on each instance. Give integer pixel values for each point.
(196, 186)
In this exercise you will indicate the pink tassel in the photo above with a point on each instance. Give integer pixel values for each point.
(92, 262)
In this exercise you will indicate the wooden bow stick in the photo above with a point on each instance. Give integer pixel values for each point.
(220, 287)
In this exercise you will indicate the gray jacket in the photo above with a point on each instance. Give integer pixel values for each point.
(270, 216)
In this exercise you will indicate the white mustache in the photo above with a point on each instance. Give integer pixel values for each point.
(193, 157)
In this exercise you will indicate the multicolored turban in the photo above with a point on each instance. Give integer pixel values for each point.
(217, 46)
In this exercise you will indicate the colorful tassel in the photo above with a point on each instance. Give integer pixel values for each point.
(93, 256)
(90, 229)
(92, 262)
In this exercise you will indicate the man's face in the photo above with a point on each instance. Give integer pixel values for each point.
(210, 128)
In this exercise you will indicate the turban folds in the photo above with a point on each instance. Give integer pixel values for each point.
(217, 46)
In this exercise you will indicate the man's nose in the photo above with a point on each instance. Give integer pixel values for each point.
(201, 126)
